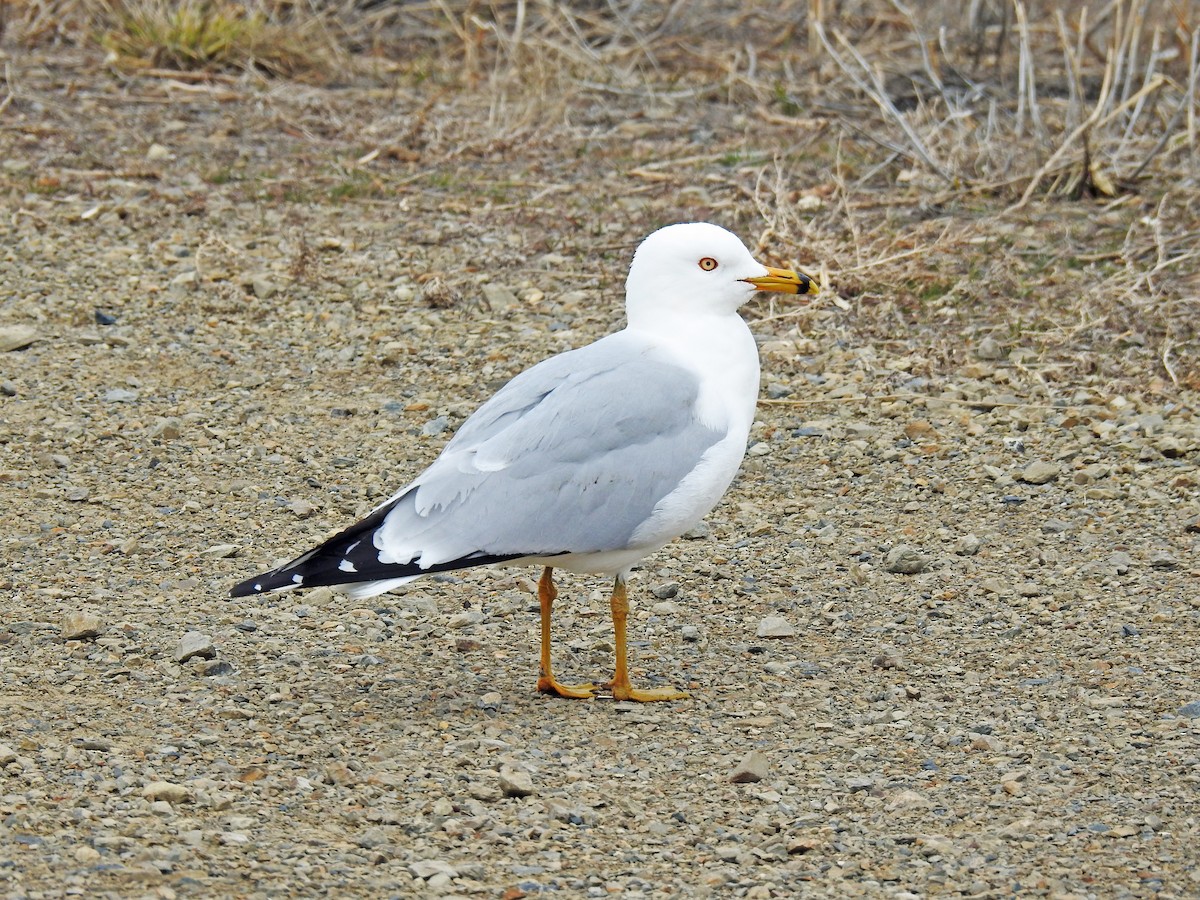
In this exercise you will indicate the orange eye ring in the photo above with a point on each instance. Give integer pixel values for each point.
(708, 264)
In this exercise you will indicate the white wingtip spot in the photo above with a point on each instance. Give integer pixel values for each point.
(346, 566)
(298, 579)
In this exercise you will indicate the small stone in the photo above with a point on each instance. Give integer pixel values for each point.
(120, 395)
(9, 388)
(435, 426)
(15, 337)
(195, 644)
(907, 799)
(989, 348)
(666, 608)
(168, 791)
(666, 590)
(515, 782)
(220, 551)
(261, 286)
(888, 658)
(987, 742)
(86, 855)
(1039, 472)
(464, 619)
(967, 545)
(168, 428)
(1121, 562)
(1029, 589)
(1162, 559)
(77, 494)
(775, 627)
(428, 868)
(78, 626)
(157, 153)
(7, 755)
(217, 669)
(752, 769)
(698, 532)
(498, 297)
(905, 560)
(1189, 711)
(690, 634)
(1055, 526)
(302, 508)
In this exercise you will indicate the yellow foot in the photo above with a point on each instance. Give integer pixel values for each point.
(547, 685)
(646, 695)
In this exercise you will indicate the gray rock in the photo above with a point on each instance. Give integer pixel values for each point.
(9, 388)
(967, 545)
(1163, 559)
(753, 768)
(989, 348)
(699, 532)
(498, 296)
(168, 791)
(195, 644)
(120, 395)
(690, 634)
(7, 755)
(666, 590)
(220, 551)
(80, 625)
(14, 337)
(775, 627)
(1190, 710)
(1039, 472)
(435, 426)
(515, 782)
(1121, 562)
(905, 560)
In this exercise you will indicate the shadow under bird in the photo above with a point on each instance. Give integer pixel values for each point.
(591, 460)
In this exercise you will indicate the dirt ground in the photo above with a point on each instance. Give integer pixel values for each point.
(244, 311)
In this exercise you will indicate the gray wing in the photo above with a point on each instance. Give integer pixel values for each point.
(571, 456)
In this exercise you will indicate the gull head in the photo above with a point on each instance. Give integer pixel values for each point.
(697, 269)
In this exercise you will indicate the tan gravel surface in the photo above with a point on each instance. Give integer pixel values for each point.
(942, 636)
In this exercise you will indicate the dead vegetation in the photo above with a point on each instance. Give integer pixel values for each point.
(1002, 167)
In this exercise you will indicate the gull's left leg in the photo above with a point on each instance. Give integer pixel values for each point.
(547, 683)
(621, 688)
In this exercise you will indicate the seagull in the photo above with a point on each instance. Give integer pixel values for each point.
(591, 460)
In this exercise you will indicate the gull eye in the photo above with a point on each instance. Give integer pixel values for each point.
(708, 264)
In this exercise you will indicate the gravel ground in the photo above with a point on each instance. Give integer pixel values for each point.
(941, 635)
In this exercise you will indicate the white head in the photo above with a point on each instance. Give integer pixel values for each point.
(699, 269)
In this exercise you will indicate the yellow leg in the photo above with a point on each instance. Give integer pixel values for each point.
(547, 683)
(621, 688)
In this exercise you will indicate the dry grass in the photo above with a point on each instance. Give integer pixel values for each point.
(1013, 167)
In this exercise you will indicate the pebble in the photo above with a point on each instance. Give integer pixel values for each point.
(7, 755)
(1189, 710)
(194, 644)
(905, 560)
(1162, 559)
(752, 769)
(1039, 472)
(690, 633)
(120, 395)
(168, 791)
(220, 551)
(990, 349)
(775, 627)
(79, 625)
(967, 545)
(666, 590)
(515, 782)
(16, 337)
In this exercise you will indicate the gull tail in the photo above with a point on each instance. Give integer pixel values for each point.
(351, 558)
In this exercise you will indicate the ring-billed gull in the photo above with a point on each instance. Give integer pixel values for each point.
(589, 461)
